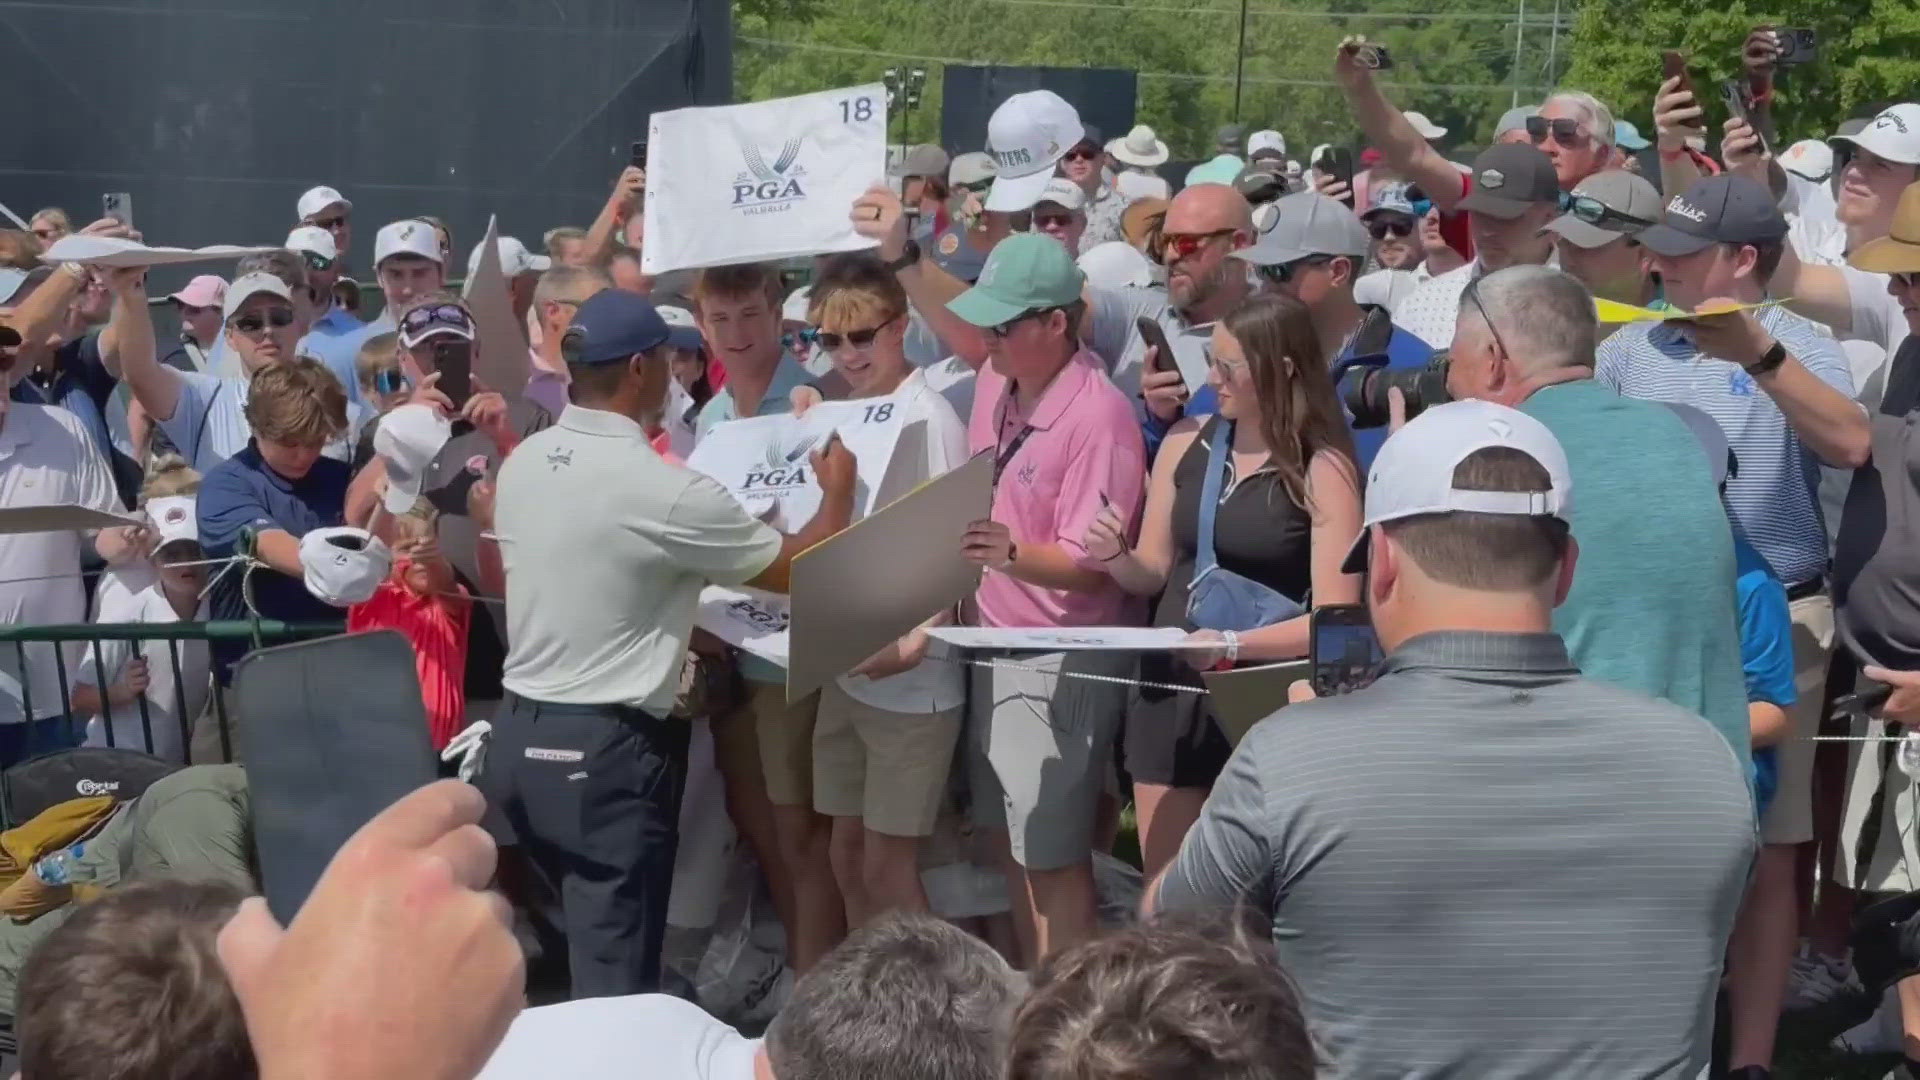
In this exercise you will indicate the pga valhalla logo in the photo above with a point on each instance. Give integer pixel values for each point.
(769, 189)
(779, 471)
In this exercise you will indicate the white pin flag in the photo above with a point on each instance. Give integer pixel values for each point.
(764, 460)
(764, 180)
(502, 362)
(117, 251)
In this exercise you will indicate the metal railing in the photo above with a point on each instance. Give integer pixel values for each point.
(257, 633)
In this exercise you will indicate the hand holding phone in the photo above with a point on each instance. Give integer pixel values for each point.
(1160, 355)
(118, 205)
(639, 158)
(453, 359)
(1342, 648)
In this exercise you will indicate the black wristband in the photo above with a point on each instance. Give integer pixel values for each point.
(909, 255)
(1769, 360)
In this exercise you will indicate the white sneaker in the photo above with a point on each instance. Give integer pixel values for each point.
(1816, 980)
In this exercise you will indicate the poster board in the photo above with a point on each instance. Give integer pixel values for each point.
(502, 362)
(63, 518)
(1245, 696)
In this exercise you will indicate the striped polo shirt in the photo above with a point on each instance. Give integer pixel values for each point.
(1774, 497)
(1484, 865)
(209, 421)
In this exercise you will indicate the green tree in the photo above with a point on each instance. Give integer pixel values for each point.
(1869, 52)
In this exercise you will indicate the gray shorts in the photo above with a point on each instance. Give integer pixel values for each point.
(1040, 749)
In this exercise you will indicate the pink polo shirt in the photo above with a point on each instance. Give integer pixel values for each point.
(1085, 443)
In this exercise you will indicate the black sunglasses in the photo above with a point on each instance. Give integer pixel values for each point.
(1005, 329)
(316, 261)
(1382, 227)
(330, 224)
(1566, 131)
(391, 381)
(859, 339)
(1594, 212)
(1281, 273)
(276, 317)
(442, 314)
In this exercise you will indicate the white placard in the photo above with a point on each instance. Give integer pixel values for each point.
(764, 180)
(501, 363)
(750, 620)
(116, 251)
(1065, 638)
(65, 517)
(764, 461)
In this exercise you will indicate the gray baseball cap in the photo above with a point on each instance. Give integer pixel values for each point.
(923, 160)
(1620, 193)
(1515, 119)
(1722, 209)
(1302, 224)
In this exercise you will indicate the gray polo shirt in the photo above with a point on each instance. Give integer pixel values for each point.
(1485, 865)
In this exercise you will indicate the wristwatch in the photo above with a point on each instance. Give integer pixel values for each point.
(1769, 360)
(909, 255)
(1013, 552)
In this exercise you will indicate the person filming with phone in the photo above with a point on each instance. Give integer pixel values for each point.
(1446, 821)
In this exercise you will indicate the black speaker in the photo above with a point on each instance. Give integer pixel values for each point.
(1104, 97)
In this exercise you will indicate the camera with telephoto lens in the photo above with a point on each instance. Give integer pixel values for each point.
(1363, 390)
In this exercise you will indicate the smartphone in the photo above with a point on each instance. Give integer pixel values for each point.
(1376, 57)
(118, 205)
(1342, 648)
(1156, 339)
(1735, 96)
(639, 158)
(1673, 64)
(1337, 162)
(1798, 45)
(333, 733)
(453, 359)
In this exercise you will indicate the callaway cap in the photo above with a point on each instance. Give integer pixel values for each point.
(1027, 136)
(1898, 252)
(1723, 209)
(313, 240)
(1063, 192)
(408, 236)
(409, 438)
(610, 326)
(1412, 475)
(1619, 191)
(1025, 272)
(207, 290)
(318, 199)
(683, 332)
(174, 520)
(1302, 224)
(515, 259)
(251, 285)
(1894, 135)
(925, 159)
(1140, 148)
(970, 169)
(343, 566)
(1509, 179)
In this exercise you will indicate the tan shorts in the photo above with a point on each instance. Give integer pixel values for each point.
(778, 735)
(889, 769)
(1789, 818)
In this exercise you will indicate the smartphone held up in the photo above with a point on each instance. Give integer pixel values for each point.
(1342, 648)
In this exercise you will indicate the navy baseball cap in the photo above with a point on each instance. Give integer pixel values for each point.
(1724, 209)
(612, 325)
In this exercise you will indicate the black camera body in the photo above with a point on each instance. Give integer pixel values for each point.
(1363, 390)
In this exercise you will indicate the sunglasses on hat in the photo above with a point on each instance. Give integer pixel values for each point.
(1566, 131)
(421, 318)
(316, 261)
(254, 322)
(1594, 212)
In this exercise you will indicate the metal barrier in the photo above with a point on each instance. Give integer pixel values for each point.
(258, 632)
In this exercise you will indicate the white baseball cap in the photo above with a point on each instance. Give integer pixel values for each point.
(1266, 142)
(1063, 192)
(1427, 128)
(683, 330)
(343, 566)
(312, 238)
(1116, 264)
(408, 236)
(1894, 135)
(1809, 159)
(515, 259)
(795, 307)
(408, 439)
(251, 285)
(1412, 474)
(1133, 186)
(319, 198)
(1027, 135)
(173, 519)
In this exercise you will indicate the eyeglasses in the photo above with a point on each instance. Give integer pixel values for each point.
(316, 261)
(391, 381)
(1183, 245)
(1281, 273)
(1473, 294)
(1081, 153)
(254, 323)
(859, 339)
(1005, 329)
(438, 314)
(330, 224)
(1594, 212)
(1223, 365)
(1382, 227)
(1566, 131)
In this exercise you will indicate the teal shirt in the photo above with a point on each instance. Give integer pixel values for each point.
(1653, 606)
(718, 410)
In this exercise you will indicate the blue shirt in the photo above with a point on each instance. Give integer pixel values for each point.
(1766, 651)
(242, 493)
(1402, 351)
(333, 342)
(1775, 495)
(1652, 606)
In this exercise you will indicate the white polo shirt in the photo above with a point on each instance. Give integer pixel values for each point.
(606, 547)
(46, 459)
(167, 700)
(614, 1036)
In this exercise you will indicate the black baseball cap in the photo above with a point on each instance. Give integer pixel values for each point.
(1509, 179)
(612, 325)
(1721, 209)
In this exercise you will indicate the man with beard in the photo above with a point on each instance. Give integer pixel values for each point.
(1205, 225)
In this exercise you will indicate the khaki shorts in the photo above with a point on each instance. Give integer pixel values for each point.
(887, 768)
(1789, 817)
(206, 746)
(768, 736)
